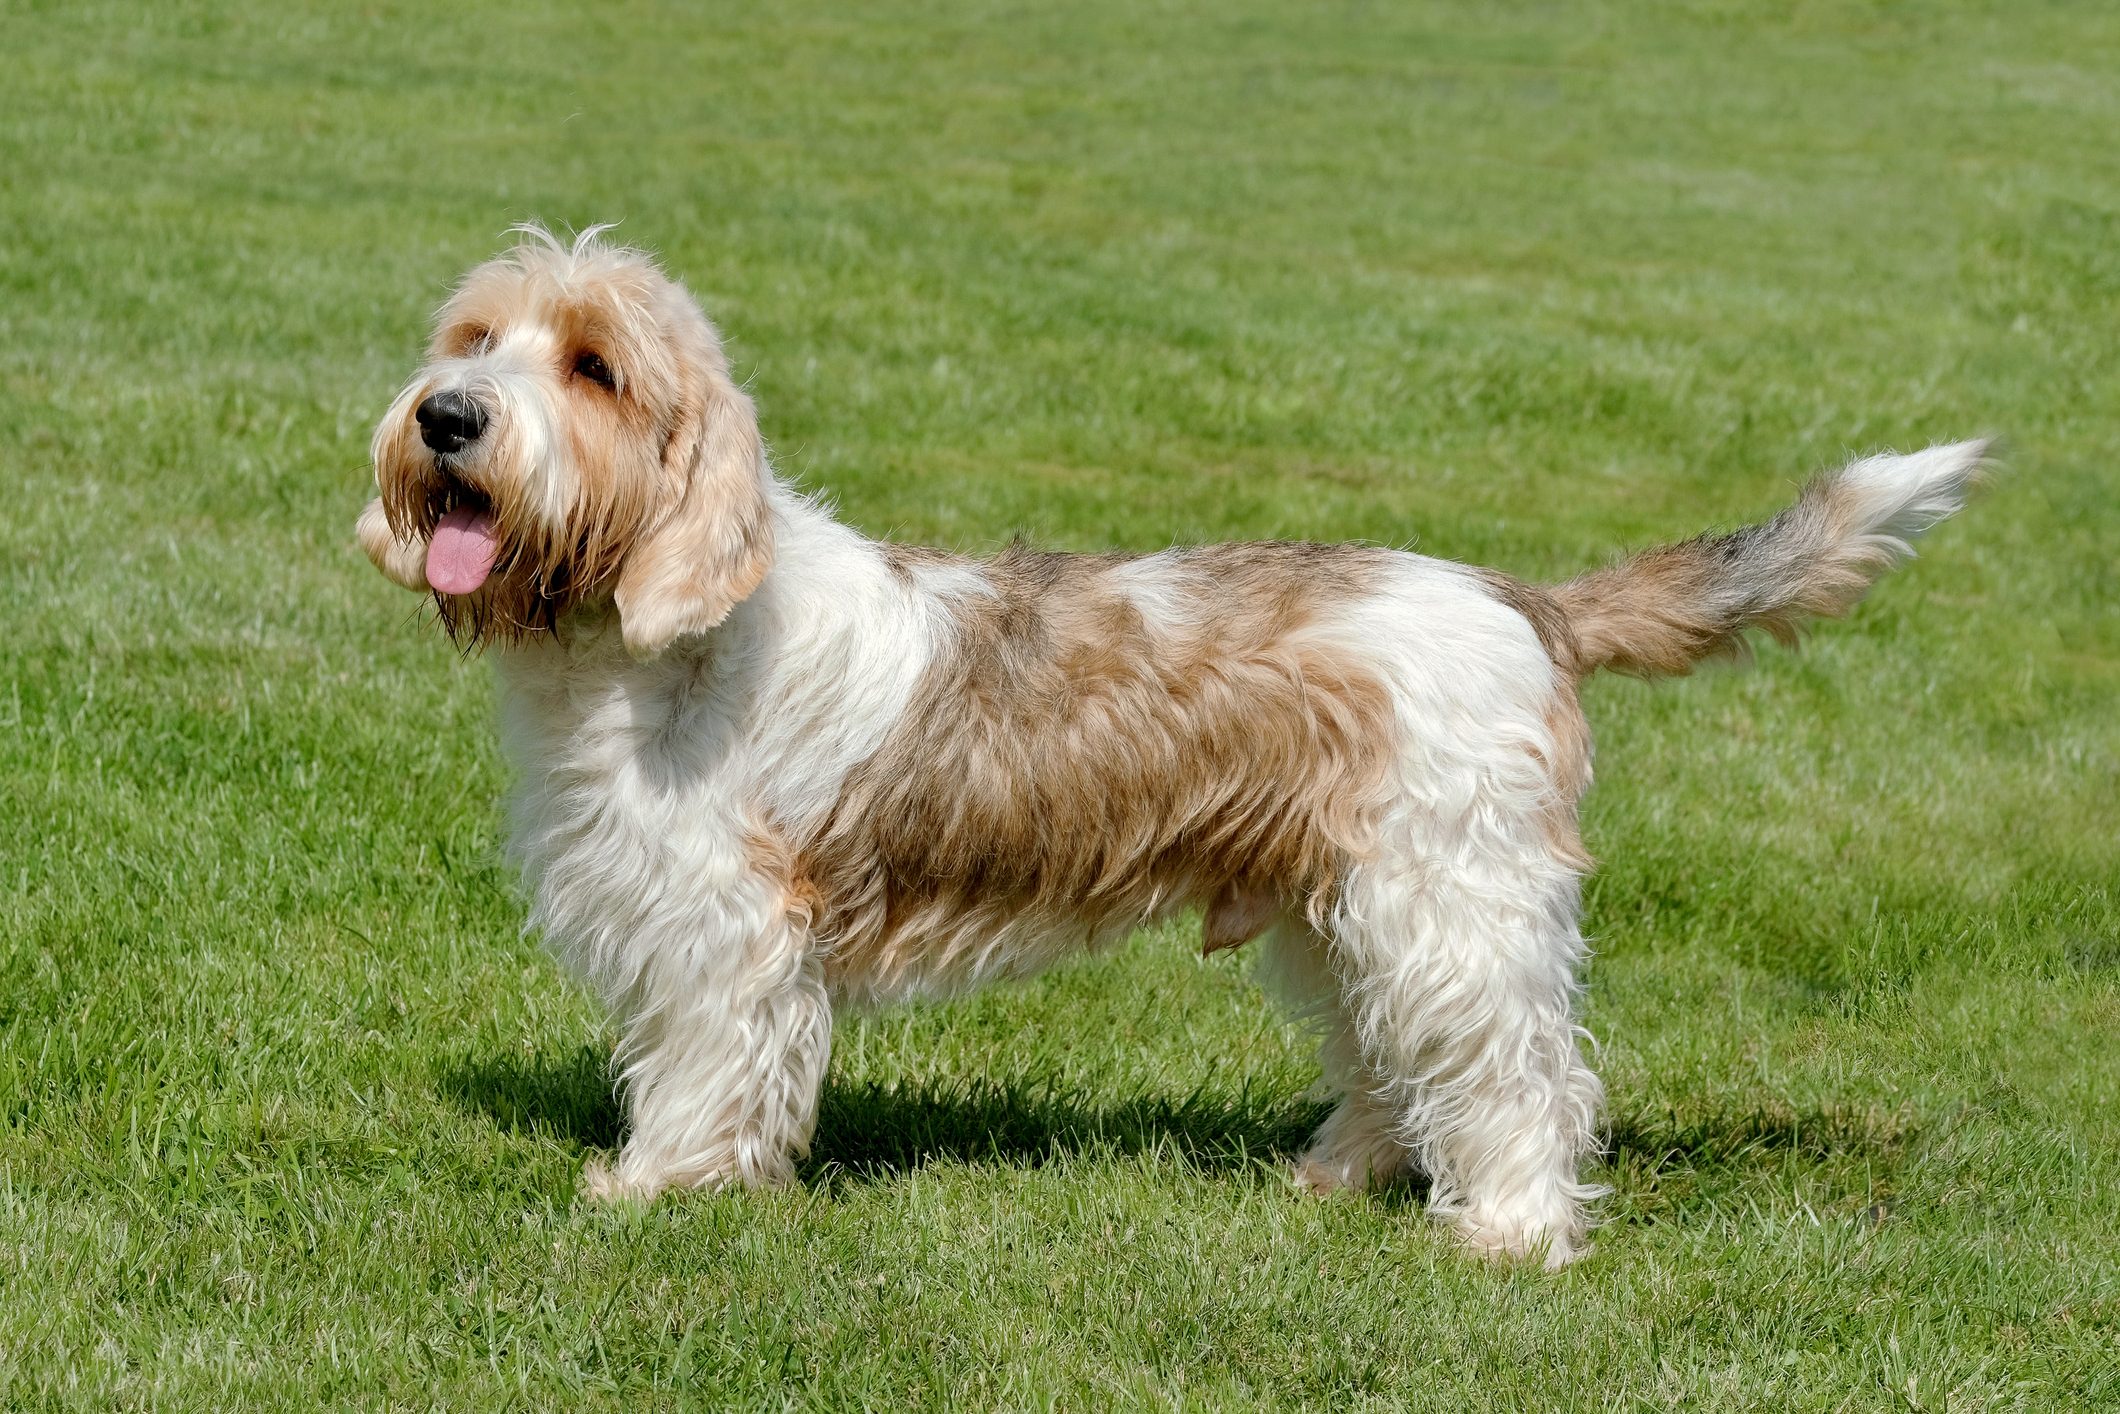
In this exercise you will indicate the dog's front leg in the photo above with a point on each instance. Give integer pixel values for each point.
(722, 1051)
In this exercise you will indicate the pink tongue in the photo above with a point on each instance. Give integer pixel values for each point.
(462, 552)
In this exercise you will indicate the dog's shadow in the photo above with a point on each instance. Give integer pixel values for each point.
(868, 1131)
(571, 1098)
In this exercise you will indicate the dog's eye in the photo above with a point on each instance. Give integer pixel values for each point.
(593, 368)
(477, 341)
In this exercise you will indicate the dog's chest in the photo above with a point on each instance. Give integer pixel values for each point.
(627, 798)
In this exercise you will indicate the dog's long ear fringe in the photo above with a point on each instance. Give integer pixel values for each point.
(402, 561)
(711, 548)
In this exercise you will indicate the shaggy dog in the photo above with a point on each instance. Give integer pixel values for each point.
(767, 767)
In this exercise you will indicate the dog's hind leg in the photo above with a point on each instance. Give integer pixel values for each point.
(1358, 1147)
(1458, 961)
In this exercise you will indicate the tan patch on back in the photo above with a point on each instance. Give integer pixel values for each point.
(1070, 767)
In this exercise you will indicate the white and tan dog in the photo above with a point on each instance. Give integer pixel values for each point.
(768, 767)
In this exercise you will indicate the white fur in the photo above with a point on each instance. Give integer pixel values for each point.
(1456, 946)
(1452, 953)
(1891, 498)
(630, 823)
(661, 786)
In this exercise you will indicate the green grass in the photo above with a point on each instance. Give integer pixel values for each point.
(292, 1115)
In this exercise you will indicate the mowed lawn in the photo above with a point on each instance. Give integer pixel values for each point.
(290, 1113)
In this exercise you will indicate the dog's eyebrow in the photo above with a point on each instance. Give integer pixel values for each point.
(630, 350)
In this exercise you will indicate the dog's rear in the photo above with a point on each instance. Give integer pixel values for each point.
(1455, 952)
(1666, 609)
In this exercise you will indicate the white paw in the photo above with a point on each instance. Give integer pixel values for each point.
(607, 1183)
(1321, 1174)
(1530, 1242)
(1319, 1179)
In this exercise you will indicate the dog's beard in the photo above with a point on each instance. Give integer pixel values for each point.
(508, 607)
(490, 578)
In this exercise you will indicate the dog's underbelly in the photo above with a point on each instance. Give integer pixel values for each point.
(936, 950)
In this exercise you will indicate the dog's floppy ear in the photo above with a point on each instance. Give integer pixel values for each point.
(714, 543)
(401, 561)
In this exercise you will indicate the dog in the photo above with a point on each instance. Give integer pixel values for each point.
(768, 768)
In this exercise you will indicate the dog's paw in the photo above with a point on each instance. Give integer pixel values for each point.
(606, 1184)
(1316, 1179)
(1323, 1173)
(1323, 1177)
(635, 1180)
(1549, 1249)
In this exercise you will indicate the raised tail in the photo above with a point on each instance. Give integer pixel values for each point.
(1666, 609)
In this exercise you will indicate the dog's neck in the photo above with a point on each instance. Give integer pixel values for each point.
(801, 678)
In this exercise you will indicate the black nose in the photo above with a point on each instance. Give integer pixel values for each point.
(449, 421)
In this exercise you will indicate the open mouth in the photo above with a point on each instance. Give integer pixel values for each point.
(462, 550)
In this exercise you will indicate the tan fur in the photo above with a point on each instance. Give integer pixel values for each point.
(1569, 768)
(1664, 610)
(667, 509)
(401, 559)
(896, 771)
(1545, 615)
(713, 546)
(1237, 915)
(770, 857)
(1073, 760)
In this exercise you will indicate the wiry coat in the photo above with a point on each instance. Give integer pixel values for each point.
(766, 766)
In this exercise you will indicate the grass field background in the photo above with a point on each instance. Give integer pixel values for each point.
(293, 1116)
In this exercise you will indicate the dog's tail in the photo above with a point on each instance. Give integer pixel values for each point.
(1666, 609)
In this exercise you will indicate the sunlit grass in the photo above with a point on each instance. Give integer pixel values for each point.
(292, 1115)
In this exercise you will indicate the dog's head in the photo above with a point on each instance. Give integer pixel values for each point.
(575, 435)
